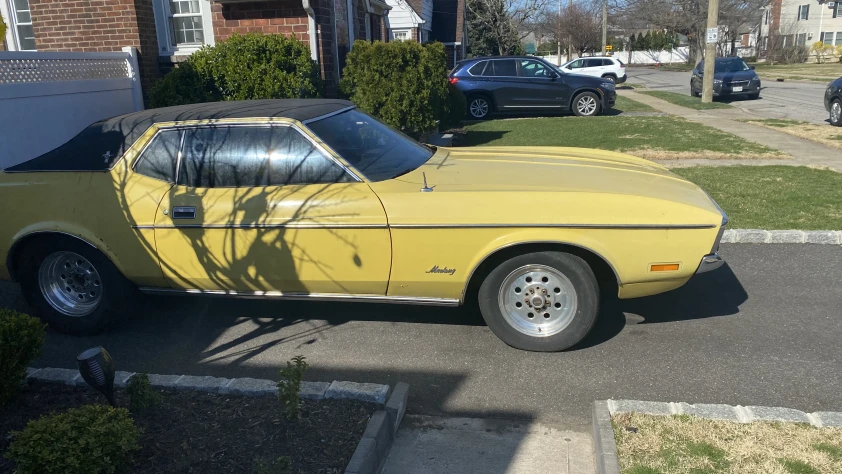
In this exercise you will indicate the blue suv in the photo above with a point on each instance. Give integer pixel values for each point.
(518, 84)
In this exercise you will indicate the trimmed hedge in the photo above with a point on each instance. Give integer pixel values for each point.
(91, 439)
(21, 340)
(403, 83)
(243, 67)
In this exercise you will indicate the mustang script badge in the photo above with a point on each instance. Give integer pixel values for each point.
(437, 269)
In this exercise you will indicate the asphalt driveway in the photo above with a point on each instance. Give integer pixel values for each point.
(786, 100)
(765, 329)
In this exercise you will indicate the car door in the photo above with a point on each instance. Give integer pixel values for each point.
(577, 67)
(594, 67)
(541, 86)
(261, 208)
(503, 82)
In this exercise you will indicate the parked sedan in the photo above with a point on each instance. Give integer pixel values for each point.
(731, 77)
(316, 200)
(833, 102)
(528, 84)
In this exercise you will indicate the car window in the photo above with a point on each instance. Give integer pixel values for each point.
(160, 156)
(476, 69)
(593, 62)
(228, 157)
(376, 150)
(501, 68)
(531, 68)
(607, 62)
(577, 63)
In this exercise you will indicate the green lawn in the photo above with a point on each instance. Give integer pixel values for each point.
(653, 137)
(686, 100)
(624, 104)
(773, 197)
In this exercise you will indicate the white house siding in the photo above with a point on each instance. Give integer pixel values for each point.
(403, 17)
(819, 20)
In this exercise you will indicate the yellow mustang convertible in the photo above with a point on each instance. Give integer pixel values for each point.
(315, 200)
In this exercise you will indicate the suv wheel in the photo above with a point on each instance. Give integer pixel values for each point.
(586, 104)
(479, 107)
(836, 112)
(610, 77)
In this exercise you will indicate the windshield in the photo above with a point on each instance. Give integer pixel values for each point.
(376, 150)
(730, 65)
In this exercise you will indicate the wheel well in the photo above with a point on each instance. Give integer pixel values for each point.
(610, 74)
(36, 237)
(582, 91)
(604, 272)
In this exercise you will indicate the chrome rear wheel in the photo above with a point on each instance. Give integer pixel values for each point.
(70, 283)
(836, 113)
(537, 300)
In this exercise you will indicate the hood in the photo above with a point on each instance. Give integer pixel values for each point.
(627, 189)
(735, 76)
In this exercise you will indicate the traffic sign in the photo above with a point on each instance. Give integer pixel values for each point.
(713, 35)
(608, 47)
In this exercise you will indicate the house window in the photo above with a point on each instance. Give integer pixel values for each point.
(801, 39)
(22, 19)
(376, 22)
(837, 10)
(839, 38)
(827, 37)
(401, 35)
(803, 12)
(183, 26)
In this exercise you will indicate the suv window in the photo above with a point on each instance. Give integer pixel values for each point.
(593, 62)
(577, 64)
(476, 69)
(607, 62)
(228, 157)
(160, 156)
(501, 68)
(532, 68)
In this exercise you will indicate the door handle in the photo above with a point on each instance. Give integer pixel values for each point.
(184, 212)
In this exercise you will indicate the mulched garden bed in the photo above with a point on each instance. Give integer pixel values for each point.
(192, 432)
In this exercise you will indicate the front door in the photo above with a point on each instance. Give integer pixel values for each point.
(259, 208)
(541, 87)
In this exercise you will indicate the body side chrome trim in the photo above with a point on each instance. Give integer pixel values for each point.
(421, 300)
(534, 242)
(561, 226)
(292, 225)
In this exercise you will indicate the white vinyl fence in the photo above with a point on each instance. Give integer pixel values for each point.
(47, 98)
(641, 58)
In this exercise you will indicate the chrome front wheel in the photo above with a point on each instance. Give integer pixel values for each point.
(537, 300)
(586, 104)
(836, 113)
(70, 283)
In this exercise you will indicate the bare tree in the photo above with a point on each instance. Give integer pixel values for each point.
(580, 23)
(502, 21)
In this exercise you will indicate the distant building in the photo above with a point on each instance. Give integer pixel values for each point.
(802, 22)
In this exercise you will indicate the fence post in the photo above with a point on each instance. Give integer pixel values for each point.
(134, 74)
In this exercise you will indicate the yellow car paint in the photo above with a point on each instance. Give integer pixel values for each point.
(375, 238)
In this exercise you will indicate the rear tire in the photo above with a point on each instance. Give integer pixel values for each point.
(587, 104)
(479, 107)
(71, 286)
(542, 301)
(836, 112)
(610, 77)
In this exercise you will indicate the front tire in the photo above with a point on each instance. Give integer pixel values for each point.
(754, 96)
(693, 92)
(543, 301)
(587, 104)
(71, 286)
(836, 112)
(479, 107)
(610, 77)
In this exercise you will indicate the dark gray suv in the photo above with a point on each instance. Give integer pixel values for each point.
(526, 84)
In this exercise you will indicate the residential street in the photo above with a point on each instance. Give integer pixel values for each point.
(765, 330)
(790, 100)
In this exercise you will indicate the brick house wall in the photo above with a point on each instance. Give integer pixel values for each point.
(287, 17)
(448, 27)
(98, 26)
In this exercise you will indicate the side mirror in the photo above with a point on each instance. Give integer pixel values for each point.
(569, 66)
(751, 67)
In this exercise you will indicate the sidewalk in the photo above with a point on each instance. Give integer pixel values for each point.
(434, 445)
(803, 152)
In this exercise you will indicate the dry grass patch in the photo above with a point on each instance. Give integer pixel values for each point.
(801, 72)
(824, 134)
(665, 155)
(688, 445)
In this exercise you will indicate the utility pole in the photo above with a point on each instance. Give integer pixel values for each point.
(569, 36)
(710, 50)
(558, 33)
(604, 25)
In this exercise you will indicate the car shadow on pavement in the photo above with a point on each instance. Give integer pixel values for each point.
(713, 294)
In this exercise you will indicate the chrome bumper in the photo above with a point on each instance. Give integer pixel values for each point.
(710, 262)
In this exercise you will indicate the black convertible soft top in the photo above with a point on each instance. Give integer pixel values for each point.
(101, 144)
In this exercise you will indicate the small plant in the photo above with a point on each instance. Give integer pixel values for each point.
(290, 385)
(91, 439)
(141, 395)
(21, 340)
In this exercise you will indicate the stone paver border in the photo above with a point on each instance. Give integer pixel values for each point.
(605, 447)
(759, 236)
(372, 449)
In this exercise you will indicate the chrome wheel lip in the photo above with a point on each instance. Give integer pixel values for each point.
(479, 108)
(533, 292)
(586, 105)
(836, 111)
(70, 283)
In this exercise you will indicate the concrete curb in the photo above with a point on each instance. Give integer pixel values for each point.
(605, 446)
(373, 448)
(366, 392)
(759, 236)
